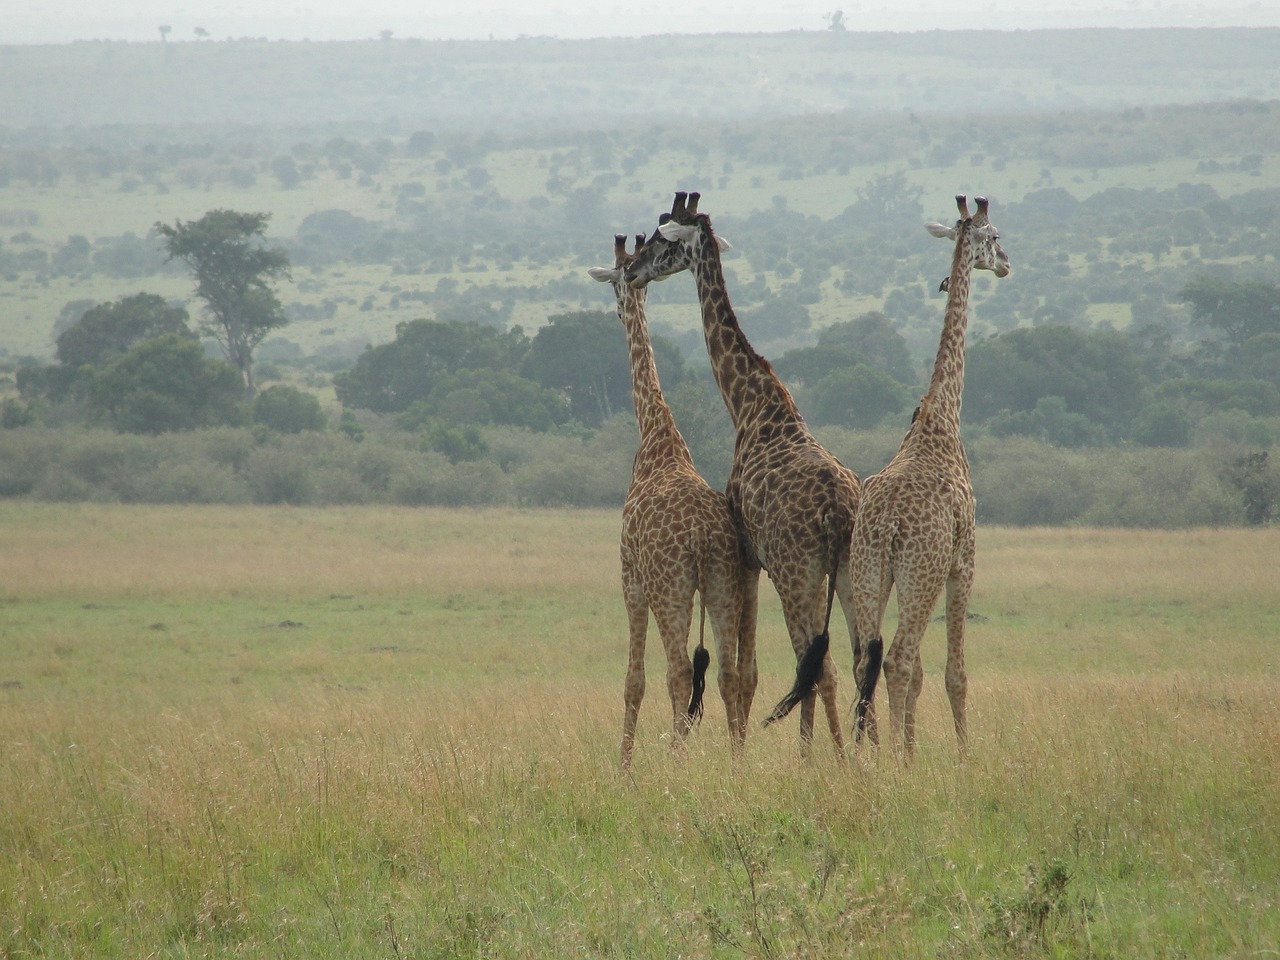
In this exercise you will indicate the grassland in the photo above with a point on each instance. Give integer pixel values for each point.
(29, 304)
(393, 733)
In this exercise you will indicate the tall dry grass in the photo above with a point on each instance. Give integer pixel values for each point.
(425, 764)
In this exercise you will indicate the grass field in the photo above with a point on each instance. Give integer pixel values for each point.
(393, 733)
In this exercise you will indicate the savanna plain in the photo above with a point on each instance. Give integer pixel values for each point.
(393, 732)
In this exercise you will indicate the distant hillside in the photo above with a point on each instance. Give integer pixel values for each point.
(402, 85)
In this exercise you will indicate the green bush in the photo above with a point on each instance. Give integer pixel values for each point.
(1018, 481)
(287, 409)
(276, 474)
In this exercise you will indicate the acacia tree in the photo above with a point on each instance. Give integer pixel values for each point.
(1239, 310)
(234, 272)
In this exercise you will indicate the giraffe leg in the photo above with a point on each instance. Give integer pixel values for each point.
(673, 620)
(896, 681)
(868, 596)
(959, 586)
(633, 688)
(918, 592)
(724, 607)
(748, 674)
(805, 611)
(913, 694)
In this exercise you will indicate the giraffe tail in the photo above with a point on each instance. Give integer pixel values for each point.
(701, 660)
(867, 688)
(808, 672)
(809, 669)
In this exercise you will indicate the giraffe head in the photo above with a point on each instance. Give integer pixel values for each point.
(979, 234)
(621, 260)
(672, 246)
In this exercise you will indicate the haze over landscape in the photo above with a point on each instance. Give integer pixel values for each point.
(65, 21)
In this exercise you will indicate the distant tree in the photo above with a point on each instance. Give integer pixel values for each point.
(70, 315)
(109, 330)
(128, 255)
(1095, 374)
(776, 318)
(887, 199)
(488, 397)
(286, 171)
(164, 32)
(391, 377)
(858, 396)
(234, 273)
(584, 356)
(867, 339)
(704, 422)
(1238, 310)
(287, 409)
(167, 383)
(72, 257)
(1049, 420)
(98, 335)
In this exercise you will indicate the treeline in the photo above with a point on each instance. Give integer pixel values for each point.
(1018, 481)
(1064, 424)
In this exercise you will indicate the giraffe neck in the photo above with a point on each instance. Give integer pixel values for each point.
(946, 386)
(653, 416)
(750, 389)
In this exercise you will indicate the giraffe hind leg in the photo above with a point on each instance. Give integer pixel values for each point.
(809, 671)
(674, 620)
(957, 682)
(633, 687)
(872, 658)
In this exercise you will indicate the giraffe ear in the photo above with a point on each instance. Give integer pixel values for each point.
(723, 244)
(605, 274)
(941, 230)
(675, 232)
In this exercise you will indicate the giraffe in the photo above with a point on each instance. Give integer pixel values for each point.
(678, 539)
(793, 501)
(914, 529)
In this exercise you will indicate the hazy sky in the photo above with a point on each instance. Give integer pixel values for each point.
(63, 21)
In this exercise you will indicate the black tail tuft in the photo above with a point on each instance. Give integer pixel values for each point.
(867, 689)
(701, 660)
(808, 672)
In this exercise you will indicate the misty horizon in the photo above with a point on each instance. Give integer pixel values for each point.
(67, 21)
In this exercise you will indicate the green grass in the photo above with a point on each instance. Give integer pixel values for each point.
(393, 733)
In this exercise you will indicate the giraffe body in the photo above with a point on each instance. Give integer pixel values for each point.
(792, 500)
(678, 540)
(915, 526)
